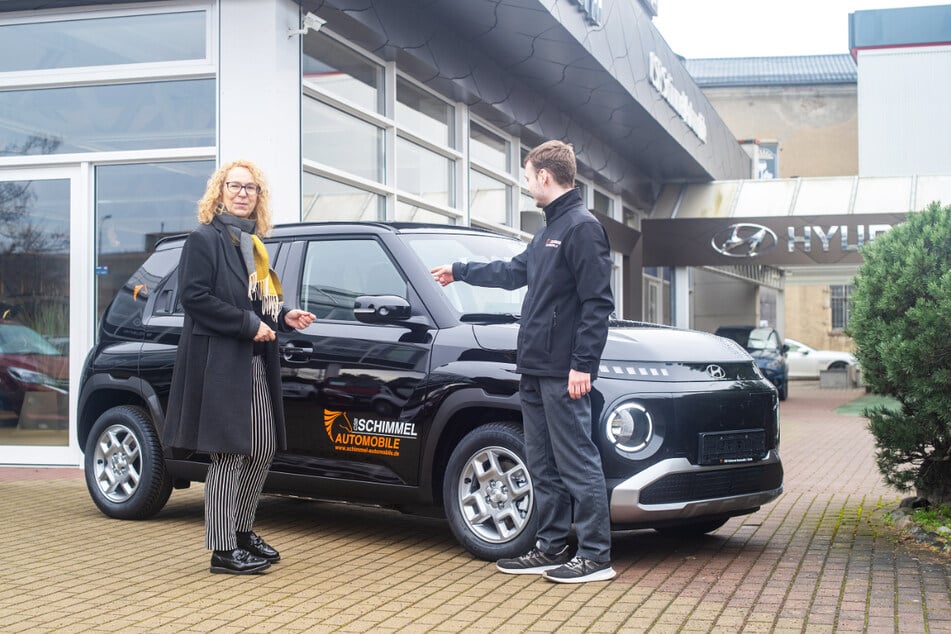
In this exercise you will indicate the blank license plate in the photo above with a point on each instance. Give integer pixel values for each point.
(730, 447)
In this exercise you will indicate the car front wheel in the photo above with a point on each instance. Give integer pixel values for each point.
(124, 467)
(488, 493)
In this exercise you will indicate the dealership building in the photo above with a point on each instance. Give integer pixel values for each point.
(113, 115)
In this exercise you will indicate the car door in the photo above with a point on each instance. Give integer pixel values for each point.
(800, 362)
(349, 387)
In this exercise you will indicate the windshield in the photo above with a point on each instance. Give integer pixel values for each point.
(435, 249)
(18, 339)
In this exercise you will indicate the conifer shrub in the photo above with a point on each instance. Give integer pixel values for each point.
(901, 324)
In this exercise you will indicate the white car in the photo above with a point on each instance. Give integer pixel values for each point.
(806, 362)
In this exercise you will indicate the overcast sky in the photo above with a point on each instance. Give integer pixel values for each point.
(763, 28)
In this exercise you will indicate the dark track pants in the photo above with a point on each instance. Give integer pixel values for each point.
(565, 466)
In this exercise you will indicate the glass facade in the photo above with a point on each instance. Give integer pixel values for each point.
(34, 311)
(326, 199)
(128, 100)
(166, 114)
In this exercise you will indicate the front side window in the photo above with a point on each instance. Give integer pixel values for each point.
(436, 249)
(336, 272)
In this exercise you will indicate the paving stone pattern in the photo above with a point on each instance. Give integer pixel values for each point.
(819, 559)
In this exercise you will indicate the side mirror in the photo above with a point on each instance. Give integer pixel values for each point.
(381, 309)
(785, 348)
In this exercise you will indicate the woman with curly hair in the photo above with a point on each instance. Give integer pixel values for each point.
(225, 397)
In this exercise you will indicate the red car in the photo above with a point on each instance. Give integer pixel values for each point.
(34, 379)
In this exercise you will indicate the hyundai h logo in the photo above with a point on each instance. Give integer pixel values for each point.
(716, 372)
(743, 240)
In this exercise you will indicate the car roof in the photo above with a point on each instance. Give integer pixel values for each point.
(305, 229)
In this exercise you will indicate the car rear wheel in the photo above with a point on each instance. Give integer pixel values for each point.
(488, 493)
(124, 467)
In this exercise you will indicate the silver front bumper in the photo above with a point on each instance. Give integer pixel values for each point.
(626, 507)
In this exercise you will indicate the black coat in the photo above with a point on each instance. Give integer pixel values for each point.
(209, 405)
(567, 268)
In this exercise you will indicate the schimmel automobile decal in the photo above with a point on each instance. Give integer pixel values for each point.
(367, 435)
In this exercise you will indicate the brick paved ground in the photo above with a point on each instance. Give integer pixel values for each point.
(819, 559)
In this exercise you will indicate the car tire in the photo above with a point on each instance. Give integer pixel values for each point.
(124, 466)
(488, 493)
(695, 529)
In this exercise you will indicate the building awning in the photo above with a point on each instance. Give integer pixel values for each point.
(813, 228)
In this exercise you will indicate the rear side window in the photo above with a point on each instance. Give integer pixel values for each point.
(336, 272)
(124, 316)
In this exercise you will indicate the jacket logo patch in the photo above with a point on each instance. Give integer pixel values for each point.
(552, 243)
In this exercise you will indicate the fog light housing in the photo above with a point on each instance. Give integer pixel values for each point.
(629, 427)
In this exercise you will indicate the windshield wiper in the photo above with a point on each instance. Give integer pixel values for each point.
(491, 318)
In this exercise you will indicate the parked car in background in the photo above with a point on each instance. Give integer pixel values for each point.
(34, 378)
(806, 362)
(766, 347)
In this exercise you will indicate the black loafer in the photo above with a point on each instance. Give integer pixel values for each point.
(237, 562)
(257, 547)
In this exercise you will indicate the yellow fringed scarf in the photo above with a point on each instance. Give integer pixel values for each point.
(263, 283)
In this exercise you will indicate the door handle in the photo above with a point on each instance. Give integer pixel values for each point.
(290, 351)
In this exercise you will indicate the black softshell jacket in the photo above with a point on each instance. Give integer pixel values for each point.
(567, 268)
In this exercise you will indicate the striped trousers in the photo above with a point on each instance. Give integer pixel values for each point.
(234, 482)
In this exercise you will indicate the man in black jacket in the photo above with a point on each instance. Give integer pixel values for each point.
(564, 325)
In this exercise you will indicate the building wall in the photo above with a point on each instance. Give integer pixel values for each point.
(808, 319)
(816, 126)
(903, 94)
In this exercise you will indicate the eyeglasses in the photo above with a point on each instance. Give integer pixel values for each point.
(250, 188)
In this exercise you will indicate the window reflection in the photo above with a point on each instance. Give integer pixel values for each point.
(423, 113)
(488, 148)
(325, 199)
(488, 199)
(332, 137)
(342, 72)
(130, 39)
(424, 173)
(34, 312)
(136, 205)
(406, 212)
(142, 116)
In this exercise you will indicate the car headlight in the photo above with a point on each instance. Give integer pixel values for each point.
(629, 427)
(32, 377)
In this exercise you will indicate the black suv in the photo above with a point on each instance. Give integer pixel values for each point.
(404, 394)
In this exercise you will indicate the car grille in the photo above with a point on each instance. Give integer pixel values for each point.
(690, 487)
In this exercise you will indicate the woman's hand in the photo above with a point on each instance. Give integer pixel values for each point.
(265, 333)
(299, 319)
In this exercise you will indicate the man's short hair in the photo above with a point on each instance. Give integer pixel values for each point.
(558, 158)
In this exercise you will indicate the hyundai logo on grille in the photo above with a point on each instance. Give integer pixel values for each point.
(716, 371)
(743, 240)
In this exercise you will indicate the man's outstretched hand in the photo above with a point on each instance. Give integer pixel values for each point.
(443, 274)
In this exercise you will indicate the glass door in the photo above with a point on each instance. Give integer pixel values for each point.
(41, 347)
